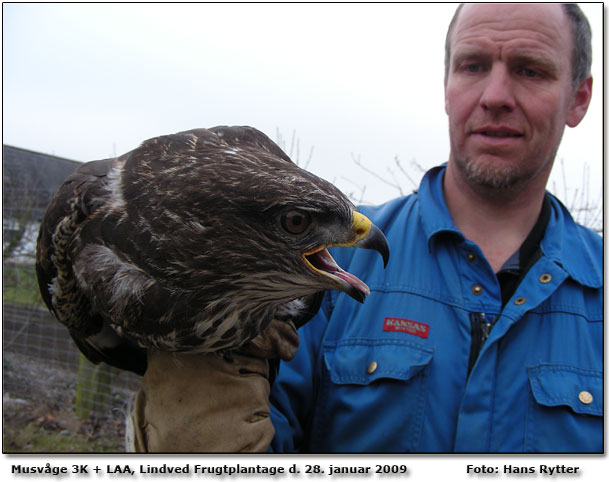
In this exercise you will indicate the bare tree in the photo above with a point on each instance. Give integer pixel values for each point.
(294, 151)
(585, 206)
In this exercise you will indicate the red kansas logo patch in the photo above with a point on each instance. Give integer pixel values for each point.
(415, 328)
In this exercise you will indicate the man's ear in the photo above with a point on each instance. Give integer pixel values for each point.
(580, 102)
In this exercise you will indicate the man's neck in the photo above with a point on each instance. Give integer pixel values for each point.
(498, 222)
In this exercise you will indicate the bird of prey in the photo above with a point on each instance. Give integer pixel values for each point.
(192, 242)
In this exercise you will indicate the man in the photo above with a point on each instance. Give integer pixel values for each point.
(485, 332)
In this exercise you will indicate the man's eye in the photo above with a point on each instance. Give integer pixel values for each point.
(530, 73)
(472, 67)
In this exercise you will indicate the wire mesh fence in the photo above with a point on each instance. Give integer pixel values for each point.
(54, 400)
(37, 348)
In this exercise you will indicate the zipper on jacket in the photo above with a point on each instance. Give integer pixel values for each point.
(480, 331)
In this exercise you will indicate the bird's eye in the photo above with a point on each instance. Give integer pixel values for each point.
(295, 221)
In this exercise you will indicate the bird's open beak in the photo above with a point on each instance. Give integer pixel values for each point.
(365, 235)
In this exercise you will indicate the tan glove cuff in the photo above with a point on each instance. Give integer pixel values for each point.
(202, 403)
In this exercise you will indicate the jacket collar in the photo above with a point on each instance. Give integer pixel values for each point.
(435, 216)
(573, 247)
(566, 243)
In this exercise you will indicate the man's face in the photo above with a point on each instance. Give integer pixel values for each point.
(509, 92)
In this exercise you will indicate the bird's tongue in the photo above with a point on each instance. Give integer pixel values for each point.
(324, 262)
(354, 281)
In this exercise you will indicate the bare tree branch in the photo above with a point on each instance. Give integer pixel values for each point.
(358, 163)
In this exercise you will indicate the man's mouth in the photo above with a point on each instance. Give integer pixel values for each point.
(498, 132)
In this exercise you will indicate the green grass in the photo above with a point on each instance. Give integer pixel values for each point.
(34, 439)
(20, 286)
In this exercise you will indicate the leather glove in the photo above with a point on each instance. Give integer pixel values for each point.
(208, 402)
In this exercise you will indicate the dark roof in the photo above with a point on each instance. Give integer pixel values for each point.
(33, 175)
(35, 168)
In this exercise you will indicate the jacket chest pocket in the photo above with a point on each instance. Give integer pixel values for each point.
(565, 413)
(373, 395)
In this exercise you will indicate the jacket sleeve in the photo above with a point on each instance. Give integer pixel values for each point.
(295, 389)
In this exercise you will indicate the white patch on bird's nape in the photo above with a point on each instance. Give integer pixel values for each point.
(114, 187)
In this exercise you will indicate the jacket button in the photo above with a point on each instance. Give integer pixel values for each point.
(471, 257)
(477, 290)
(585, 397)
(545, 278)
(520, 301)
(372, 367)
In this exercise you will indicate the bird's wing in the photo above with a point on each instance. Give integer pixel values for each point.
(78, 191)
(75, 202)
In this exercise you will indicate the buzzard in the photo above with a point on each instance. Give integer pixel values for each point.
(193, 242)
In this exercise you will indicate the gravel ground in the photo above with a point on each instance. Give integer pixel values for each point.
(38, 412)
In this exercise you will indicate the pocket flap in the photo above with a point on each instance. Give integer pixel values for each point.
(363, 361)
(580, 389)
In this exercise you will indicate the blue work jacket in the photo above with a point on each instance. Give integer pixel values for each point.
(391, 374)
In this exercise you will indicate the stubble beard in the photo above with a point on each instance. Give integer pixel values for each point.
(500, 184)
(488, 175)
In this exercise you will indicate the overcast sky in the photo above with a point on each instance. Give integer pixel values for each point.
(350, 81)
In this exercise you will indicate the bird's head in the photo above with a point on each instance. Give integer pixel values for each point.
(228, 212)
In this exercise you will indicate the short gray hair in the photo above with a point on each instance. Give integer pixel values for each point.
(581, 57)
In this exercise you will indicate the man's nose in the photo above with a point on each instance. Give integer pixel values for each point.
(497, 94)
